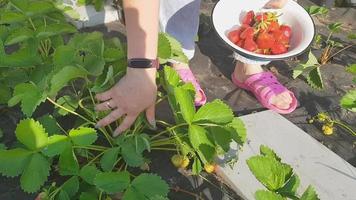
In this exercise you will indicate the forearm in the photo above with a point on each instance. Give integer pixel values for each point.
(142, 28)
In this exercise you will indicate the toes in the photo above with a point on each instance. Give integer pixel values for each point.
(282, 100)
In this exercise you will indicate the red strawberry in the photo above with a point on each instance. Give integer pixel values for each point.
(248, 33)
(286, 30)
(234, 36)
(273, 26)
(278, 48)
(250, 45)
(265, 40)
(249, 18)
(261, 17)
(280, 37)
(240, 43)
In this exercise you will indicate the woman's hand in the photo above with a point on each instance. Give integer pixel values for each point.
(134, 93)
(276, 4)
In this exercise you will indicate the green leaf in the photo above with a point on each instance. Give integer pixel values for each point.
(64, 56)
(63, 195)
(112, 182)
(35, 174)
(11, 17)
(56, 145)
(164, 46)
(239, 130)
(50, 124)
(68, 102)
(351, 69)
(113, 54)
(269, 171)
(68, 163)
(19, 35)
(310, 194)
(171, 76)
(49, 30)
(61, 78)
(267, 195)
(132, 157)
(349, 101)
(352, 36)
(5, 92)
(101, 84)
(94, 64)
(13, 162)
(30, 97)
(150, 185)
(306, 67)
(71, 186)
(196, 167)
(109, 159)
(87, 196)
(39, 7)
(83, 136)
(268, 152)
(198, 135)
(335, 27)
(222, 137)
(31, 133)
(88, 173)
(186, 105)
(291, 187)
(216, 112)
(317, 10)
(315, 79)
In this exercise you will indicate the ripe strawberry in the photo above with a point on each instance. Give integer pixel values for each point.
(250, 45)
(249, 18)
(273, 26)
(265, 40)
(234, 36)
(241, 43)
(248, 33)
(278, 48)
(280, 37)
(286, 30)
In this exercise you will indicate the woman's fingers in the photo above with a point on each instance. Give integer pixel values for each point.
(128, 121)
(150, 115)
(107, 105)
(104, 96)
(113, 116)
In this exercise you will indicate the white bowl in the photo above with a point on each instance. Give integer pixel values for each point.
(227, 15)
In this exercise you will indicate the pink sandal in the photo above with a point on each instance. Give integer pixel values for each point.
(264, 85)
(187, 76)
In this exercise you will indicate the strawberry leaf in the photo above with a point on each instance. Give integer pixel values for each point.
(309, 194)
(56, 145)
(14, 161)
(83, 136)
(35, 173)
(196, 167)
(71, 186)
(216, 112)
(349, 101)
(88, 173)
(146, 185)
(109, 159)
(30, 97)
(270, 172)
(32, 134)
(68, 163)
(112, 182)
(267, 195)
(239, 130)
(314, 79)
(185, 102)
(19, 35)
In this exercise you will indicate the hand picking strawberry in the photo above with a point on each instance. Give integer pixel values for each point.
(261, 33)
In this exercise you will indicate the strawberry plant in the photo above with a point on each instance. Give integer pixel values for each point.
(278, 178)
(349, 100)
(43, 62)
(311, 69)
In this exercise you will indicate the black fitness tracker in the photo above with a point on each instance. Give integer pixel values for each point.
(141, 63)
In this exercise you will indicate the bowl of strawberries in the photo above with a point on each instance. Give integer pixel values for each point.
(263, 34)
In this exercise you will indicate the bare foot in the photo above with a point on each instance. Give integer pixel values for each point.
(177, 66)
(243, 71)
